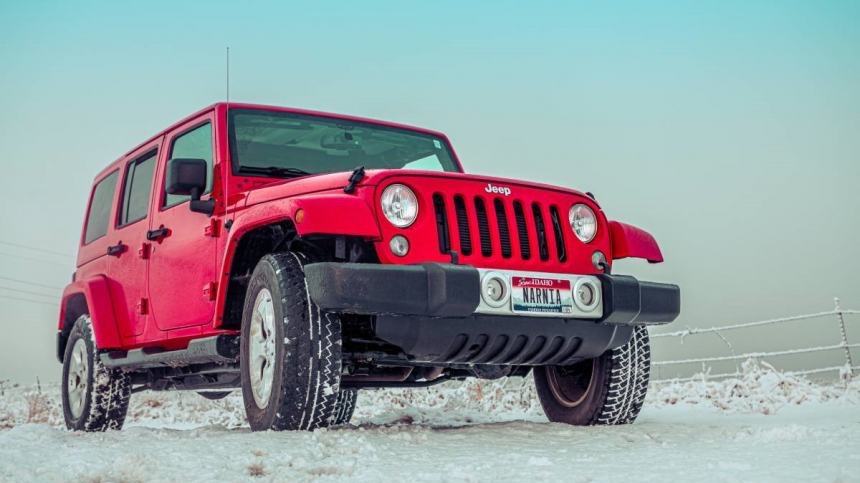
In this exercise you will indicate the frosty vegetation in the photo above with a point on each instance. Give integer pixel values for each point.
(760, 389)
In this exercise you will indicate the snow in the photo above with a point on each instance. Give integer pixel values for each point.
(762, 426)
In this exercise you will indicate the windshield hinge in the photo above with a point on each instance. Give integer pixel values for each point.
(354, 178)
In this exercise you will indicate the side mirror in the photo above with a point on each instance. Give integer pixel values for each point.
(187, 177)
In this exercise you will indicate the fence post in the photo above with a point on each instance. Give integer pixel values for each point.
(841, 320)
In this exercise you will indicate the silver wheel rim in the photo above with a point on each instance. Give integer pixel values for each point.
(262, 348)
(77, 379)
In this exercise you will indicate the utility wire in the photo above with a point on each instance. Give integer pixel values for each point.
(43, 250)
(28, 292)
(32, 259)
(27, 300)
(10, 279)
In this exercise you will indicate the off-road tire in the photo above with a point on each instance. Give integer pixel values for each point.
(307, 368)
(107, 391)
(344, 407)
(615, 391)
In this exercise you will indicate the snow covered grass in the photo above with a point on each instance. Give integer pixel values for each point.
(760, 389)
(762, 426)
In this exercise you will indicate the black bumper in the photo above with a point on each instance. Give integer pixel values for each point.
(443, 290)
(428, 311)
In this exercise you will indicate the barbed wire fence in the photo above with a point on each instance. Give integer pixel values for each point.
(837, 315)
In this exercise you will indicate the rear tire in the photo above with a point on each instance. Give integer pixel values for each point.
(95, 398)
(290, 353)
(609, 389)
(344, 407)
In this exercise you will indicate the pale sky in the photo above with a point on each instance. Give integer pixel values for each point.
(727, 129)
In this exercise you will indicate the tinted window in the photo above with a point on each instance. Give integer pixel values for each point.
(99, 212)
(280, 144)
(138, 184)
(196, 144)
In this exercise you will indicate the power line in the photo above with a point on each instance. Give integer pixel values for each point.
(43, 250)
(27, 300)
(33, 259)
(10, 279)
(28, 292)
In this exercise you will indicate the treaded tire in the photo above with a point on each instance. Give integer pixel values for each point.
(107, 391)
(305, 379)
(615, 390)
(344, 407)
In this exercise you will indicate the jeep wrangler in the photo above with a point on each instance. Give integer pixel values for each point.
(302, 256)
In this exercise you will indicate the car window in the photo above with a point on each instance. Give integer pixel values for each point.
(286, 145)
(98, 214)
(138, 185)
(196, 144)
(430, 163)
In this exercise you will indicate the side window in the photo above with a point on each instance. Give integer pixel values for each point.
(98, 215)
(197, 144)
(138, 185)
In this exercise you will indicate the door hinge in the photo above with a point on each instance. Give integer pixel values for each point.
(143, 306)
(213, 229)
(209, 291)
(144, 251)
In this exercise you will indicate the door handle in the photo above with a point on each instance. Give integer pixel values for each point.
(158, 234)
(116, 250)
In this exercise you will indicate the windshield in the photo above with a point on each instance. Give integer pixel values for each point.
(266, 143)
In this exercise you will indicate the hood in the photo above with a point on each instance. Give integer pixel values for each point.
(277, 189)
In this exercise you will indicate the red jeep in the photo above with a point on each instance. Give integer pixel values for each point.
(303, 256)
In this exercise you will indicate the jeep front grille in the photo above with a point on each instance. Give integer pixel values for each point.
(534, 226)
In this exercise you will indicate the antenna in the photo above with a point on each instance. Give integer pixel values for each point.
(228, 73)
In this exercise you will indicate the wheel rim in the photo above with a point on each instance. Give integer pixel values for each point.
(77, 378)
(570, 385)
(262, 348)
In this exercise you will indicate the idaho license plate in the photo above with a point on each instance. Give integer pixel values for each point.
(541, 295)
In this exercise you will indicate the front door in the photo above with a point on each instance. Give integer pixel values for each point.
(182, 270)
(127, 260)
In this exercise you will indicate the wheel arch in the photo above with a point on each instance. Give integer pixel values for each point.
(88, 297)
(246, 247)
(629, 241)
(249, 243)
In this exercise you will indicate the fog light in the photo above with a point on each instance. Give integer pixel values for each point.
(586, 295)
(494, 290)
(399, 245)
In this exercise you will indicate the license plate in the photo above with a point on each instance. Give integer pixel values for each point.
(541, 295)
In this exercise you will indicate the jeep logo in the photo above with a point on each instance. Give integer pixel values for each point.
(502, 190)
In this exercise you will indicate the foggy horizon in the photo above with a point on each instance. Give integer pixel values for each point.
(728, 131)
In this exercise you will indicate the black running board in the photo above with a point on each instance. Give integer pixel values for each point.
(220, 349)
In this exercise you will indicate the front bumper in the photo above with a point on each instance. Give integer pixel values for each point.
(431, 311)
(445, 290)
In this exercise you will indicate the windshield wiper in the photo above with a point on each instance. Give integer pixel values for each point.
(274, 171)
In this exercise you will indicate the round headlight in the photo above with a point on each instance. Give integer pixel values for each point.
(399, 205)
(583, 222)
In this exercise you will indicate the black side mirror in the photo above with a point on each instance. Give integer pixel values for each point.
(187, 177)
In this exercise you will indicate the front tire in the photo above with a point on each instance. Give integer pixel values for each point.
(344, 407)
(95, 398)
(609, 389)
(290, 350)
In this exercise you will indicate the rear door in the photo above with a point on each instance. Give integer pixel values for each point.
(128, 253)
(183, 264)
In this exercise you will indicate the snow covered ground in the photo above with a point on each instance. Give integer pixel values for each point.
(762, 427)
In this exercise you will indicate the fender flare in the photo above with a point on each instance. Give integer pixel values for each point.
(322, 214)
(99, 306)
(629, 241)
